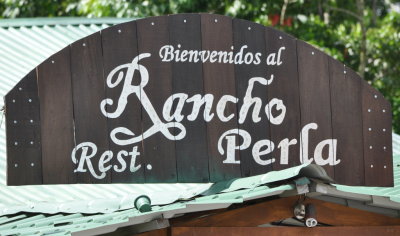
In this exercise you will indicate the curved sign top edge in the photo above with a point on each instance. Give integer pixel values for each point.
(194, 98)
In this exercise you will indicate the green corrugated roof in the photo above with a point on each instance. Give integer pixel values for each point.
(236, 192)
(49, 21)
(24, 43)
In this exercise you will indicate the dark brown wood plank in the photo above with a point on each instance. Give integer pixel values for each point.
(252, 35)
(377, 128)
(219, 80)
(285, 87)
(314, 101)
(191, 152)
(347, 123)
(24, 156)
(159, 151)
(120, 48)
(285, 231)
(88, 92)
(157, 232)
(56, 112)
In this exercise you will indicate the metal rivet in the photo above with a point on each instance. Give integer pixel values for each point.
(372, 166)
(369, 110)
(15, 165)
(383, 110)
(152, 23)
(149, 167)
(15, 121)
(184, 21)
(312, 53)
(31, 142)
(20, 88)
(84, 44)
(216, 20)
(384, 167)
(31, 121)
(52, 62)
(119, 31)
(370, 147)
(345, 72)
(16, 143)
(232, 47)
(280, 37)
(249, 28)
(32, 164)
(376, 96)
(384, 148)
(29, 100)
(369, 129)
(179, 46)
(384, 130)
(13, 100)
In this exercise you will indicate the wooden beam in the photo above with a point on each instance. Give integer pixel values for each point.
(253, 215)
(339, 215)
(158, 232)
(275, 210)
(285, 231)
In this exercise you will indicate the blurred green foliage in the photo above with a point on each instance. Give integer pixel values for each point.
(334, 26)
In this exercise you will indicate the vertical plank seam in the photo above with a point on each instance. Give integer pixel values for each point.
(364, 121)
(168, 17)
(141, 108)
(328, 61)
(40, 128)
(360, 96)
(75, 174)
(203, 92)
(301, 153)
(236, 92)
(109, 178)
(141, 111)
(202, 16)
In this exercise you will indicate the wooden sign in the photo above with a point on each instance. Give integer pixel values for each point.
(194, 98)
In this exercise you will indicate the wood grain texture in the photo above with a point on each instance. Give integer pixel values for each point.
(70, 86)
(252, 35)
(157, 232)
(377, 118)
(285, 231)
(119, 44)
(286, 88)
(24, 156)
(88, 86)
(191, 152)
(56, 111)
(347, 123)
(159, 152)
(219, 80)
(279, 209)
(315, 104)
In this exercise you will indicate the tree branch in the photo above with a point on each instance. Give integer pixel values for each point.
(344, 11)
(283, 11)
